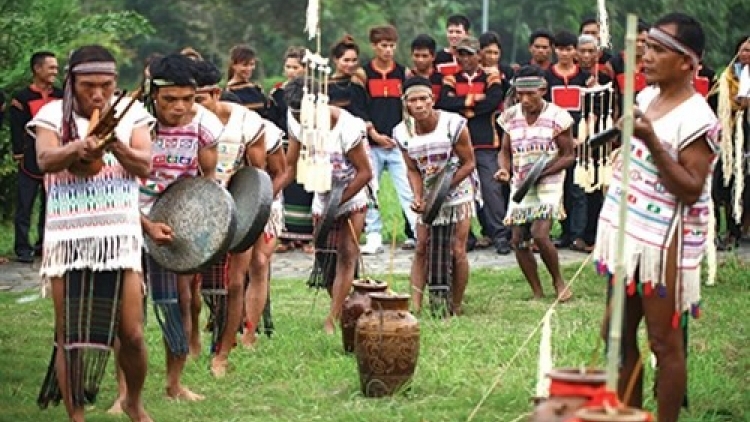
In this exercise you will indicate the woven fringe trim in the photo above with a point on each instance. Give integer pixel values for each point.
(451, 214)
(521, 216)
(95, 253)
(86, 368)
(352, 207)
(648, 262)
(323, 271)
(50, 392)
(170, 320)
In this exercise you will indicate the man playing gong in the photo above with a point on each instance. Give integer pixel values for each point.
(535, 130)
(93, 241)
(430, 141)
(242, 142)
(347, 146)
(184, 146)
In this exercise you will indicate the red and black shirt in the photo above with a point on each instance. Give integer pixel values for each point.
(446, 63)
(23, 107)
(436, 80)
(457, 96)
(384, 108)
(617, 63)
(567, 91)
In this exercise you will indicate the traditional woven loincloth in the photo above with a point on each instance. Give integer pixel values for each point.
(214, 281)
(91, 316)
(324, 268)
(164, 294)
(440, 267)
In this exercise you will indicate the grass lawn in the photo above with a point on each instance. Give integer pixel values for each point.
(303, 375)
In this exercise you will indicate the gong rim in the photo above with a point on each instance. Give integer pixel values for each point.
(531, 179)
(251, 190)
(439, 194)
(186, 255)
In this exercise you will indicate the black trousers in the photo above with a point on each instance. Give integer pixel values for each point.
(495, 201)
(28, 190)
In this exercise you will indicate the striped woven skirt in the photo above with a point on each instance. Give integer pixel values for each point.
(166, 299)
(91, 317)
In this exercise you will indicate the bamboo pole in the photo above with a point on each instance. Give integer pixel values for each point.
(620, 277)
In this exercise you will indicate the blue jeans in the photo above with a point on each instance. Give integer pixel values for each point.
(391, 160)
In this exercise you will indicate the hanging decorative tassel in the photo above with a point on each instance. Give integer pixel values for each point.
(583, 132)
(739, 159)
(579, 175)
(724, 111)
(308, 99)
(311, 18)
(591, 168)
(604, 37)
(323, 126)
(545, 357)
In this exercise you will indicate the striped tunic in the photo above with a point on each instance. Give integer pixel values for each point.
(530, 143)
(432, 152)
(91, 222)
(174, 154)
(655, 215)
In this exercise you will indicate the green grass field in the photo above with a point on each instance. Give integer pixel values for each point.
(303, 375)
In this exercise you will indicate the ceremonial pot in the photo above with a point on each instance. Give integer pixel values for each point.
(570, 390)
(355, 305)
(386, 345)
(439, 192)
(252, 191)
(202, 217)
(620, 414)
(531, 179)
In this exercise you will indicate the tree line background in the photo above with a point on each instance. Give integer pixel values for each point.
(133, 29)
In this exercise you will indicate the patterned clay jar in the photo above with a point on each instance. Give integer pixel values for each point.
(386, 345)
(354, 306)
(625, 414)
(570, 390)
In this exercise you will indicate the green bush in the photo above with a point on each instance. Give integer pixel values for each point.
(57, 26)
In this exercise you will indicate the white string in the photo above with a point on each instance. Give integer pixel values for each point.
(525, 343)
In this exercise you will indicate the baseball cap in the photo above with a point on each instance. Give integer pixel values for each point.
(468, 44)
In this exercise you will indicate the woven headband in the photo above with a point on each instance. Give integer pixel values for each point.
(166, 82)
(108, 68)
(417, 89)
(673, 43)
(529, 83)
(208, 88)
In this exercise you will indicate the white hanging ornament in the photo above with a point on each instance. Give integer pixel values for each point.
(312, 18)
